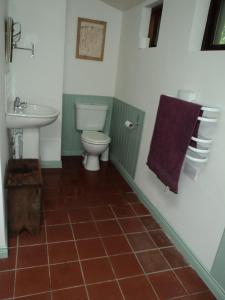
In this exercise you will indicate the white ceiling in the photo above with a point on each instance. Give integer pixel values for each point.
(123, 4)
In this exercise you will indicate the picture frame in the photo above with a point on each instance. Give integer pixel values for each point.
(90, 39)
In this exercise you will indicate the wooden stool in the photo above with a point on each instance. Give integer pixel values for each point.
(24, 182)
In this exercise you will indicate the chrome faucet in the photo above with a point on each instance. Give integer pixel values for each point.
(19, 105)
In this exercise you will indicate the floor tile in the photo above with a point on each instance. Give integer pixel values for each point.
(56, 218)
(62, 252)
(200, 296)
(44, 296)
(8, 263)
(98, 204)
(166, 285)
(152, 261)
(141, 241)
(108, 228)
(97, 270)
(80, 215)
(137, 288)
(131, 225)
(160, 238)
(6, 284)
(27, 239)
(174, 258)
(123, 211)
(131, 197)
(191, 280)
(85, 230)
(65, 275)
(103, 291)
(116, 245)
(59, 233)
(12, 241)
(90, 248)
(125, 265)
(78, 293)
(102, 213)
(30, 256)
(32, 281)
(150, 223)
(140, 209)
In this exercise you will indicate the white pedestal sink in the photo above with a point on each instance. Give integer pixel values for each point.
(30, 119)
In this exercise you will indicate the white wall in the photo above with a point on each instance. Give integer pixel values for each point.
(3, 132)
(198, 213)
(40, 80)
(87, 76)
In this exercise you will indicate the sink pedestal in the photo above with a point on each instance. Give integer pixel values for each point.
(31, 145)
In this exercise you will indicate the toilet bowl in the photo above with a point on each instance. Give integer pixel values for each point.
(94, 143)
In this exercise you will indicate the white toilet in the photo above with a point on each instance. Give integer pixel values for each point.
(90, 119)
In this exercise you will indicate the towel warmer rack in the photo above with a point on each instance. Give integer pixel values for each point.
(198, 155)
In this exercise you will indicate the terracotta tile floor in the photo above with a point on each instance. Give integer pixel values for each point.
(97, 242)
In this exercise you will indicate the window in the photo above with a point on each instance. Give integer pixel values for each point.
(214, 37)
(154, 25)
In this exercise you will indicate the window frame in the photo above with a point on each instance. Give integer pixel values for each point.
(154, 24)
(210, 29)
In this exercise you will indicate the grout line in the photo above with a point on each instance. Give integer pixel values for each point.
(138, 261)
(49, 272)
(108, 259)
(97, 220)
(78, 256)
(16, 262)
(173, 270)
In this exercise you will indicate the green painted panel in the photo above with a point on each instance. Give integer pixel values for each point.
(71, 144)
(3, 253)
(218, 268)
(55, 164)
(126, 142)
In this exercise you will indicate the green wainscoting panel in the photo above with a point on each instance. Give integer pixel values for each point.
(210, 280)
(3, 253)
(126, 142)
(71, 144)
(55, 164)
(218, 268)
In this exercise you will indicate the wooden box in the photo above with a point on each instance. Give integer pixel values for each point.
(24, 183)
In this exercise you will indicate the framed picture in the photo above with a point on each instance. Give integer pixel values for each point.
(90, 39)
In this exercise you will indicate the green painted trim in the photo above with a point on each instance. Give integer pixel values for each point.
(54, 164)
(72, 153)
(3, 253)
(178, 242)
(218, 268)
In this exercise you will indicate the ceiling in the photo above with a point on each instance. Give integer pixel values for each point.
(123, 4)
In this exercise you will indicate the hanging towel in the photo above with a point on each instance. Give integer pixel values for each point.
(176, 122)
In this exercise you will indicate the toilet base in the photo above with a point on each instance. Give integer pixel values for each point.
(91, 162)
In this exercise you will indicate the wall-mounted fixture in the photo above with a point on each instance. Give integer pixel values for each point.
(198, 153)
(12, 37)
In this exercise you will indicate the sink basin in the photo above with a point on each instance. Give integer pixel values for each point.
(33, 116)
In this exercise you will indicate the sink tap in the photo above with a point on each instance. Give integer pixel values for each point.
(19, 105)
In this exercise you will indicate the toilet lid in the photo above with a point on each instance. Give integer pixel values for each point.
(95, 137)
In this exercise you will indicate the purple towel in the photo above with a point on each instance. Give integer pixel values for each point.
(176, 122)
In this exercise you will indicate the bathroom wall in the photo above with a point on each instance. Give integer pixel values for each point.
(71, 144)
(40, 79)
(87, 77)
(88, 80)
(126, 141)
(3, 132)
(197, 213)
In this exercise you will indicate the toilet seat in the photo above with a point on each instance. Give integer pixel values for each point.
(95, 137)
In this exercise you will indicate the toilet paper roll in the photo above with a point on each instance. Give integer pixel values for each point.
(129, 124)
